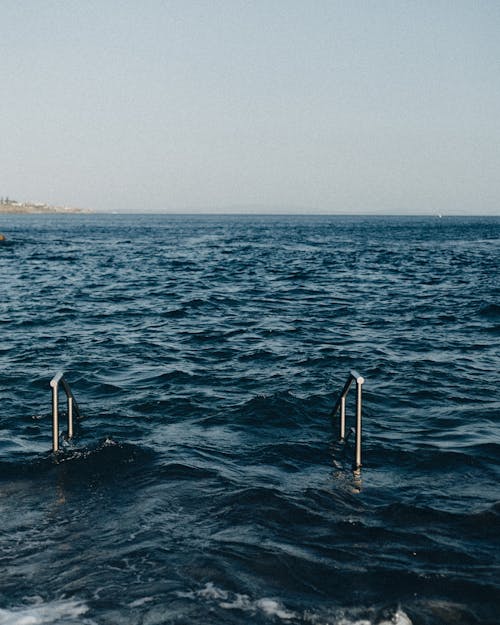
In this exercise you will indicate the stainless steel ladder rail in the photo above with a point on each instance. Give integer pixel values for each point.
(59, 380)
(353, 377)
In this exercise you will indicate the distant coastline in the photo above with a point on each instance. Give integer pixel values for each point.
(28, 208)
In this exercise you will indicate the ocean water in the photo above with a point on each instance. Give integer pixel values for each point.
(206, 483)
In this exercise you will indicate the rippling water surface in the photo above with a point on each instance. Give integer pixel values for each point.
(206, 484)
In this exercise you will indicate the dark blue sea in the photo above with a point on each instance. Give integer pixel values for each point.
(206, 484)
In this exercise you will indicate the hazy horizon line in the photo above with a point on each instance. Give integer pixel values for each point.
(290, 212)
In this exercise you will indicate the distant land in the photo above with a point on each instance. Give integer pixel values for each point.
(12, 206)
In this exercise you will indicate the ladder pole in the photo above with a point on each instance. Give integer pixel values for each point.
(357, 462)
(55, 418)
(70, 416)
(73, 408)
(342, 418)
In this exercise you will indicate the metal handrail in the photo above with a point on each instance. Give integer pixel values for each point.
(72, 407)
(353, 376)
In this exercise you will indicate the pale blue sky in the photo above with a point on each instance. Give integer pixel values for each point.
(320, 106)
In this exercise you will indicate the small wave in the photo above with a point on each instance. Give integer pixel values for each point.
(178, 471)
(280, 409)
(104, 459)
(270, 507)
(493, 329)
(41, 613)
(173, 313)
(491, 311)
(478, 523)
(176, 375)
(55, 258)
(257, 354)
(426, 459)
(101, 388)
(108, 458)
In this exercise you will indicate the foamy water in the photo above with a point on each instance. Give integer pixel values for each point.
(36, 612)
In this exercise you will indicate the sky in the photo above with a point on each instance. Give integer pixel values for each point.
(252, 105)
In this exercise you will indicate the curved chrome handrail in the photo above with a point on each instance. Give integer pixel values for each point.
(340, 403)
(57, 380)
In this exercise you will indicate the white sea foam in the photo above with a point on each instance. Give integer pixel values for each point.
(140, 602)
(63, 612)
(235, 601)
(398, 618)
(270, 607)
(276, 610)
(212, 592)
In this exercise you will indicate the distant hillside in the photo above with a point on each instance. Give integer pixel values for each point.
(11, 206)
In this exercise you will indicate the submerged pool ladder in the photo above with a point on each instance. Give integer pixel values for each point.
(353, 377)
(73, 409)
(59, 380)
